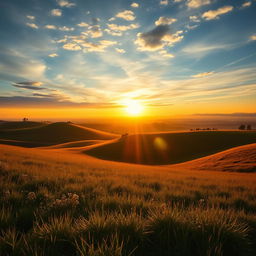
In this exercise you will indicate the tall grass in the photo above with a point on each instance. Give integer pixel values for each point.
(50, 206)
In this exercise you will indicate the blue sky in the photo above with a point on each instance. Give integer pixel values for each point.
(92, 53)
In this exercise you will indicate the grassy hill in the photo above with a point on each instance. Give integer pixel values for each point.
(58, 203)
(54, 133)
(4, 125)
(170, 148)
(238, 159)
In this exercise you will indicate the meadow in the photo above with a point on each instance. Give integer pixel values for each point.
(55, 202)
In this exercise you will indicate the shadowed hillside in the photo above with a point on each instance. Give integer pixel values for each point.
(4, 125)
(54, 134)
(170, 148)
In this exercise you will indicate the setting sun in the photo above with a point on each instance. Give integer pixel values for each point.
(133, 107)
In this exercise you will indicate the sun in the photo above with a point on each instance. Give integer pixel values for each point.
(133, 107)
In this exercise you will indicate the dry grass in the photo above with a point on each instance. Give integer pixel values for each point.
(55, 202)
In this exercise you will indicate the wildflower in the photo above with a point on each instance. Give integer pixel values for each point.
(69, 200)
(7, 193)
(201, 201)
(31, 196)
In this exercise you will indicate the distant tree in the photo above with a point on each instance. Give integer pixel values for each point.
(241, 127)
(25, 119)
(249, 127)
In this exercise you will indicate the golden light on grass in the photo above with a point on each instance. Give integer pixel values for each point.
(133, 107)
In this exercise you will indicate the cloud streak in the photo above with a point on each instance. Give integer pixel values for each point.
(214, 14)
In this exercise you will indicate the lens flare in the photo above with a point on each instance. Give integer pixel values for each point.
(160, 143)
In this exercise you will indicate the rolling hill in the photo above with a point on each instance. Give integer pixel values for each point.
(238, 159)
(52, 134)
(171, 148)
(6, 125)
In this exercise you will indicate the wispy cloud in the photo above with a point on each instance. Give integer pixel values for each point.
(71, 47)
(83, 24)
(18, 66)
(29, 85)
(246, 4)
(53, 55)
(50, 27)
(253, 37)
(194, 18)
(56, 12)
(214, 14)
(119, 50)
(135, 5)
(165, 21)
(164, 2)
(64, 28)
(32, 25)
(65, 3)
(30, 17)
(116, 30)
(202, 49)
(197, 3)
(126, 15)
(203, 74)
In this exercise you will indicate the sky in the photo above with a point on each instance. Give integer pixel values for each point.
(88, 58)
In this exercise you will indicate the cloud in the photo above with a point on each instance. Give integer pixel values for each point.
(117, 30)
(30, 17)
(77, 43)
(53, 55)
(32, 25)
(166, 54)
(120, 50)
(16, 65)
(135, 5)
(197, 3)
(253, 37)
(246, 4)
(164, 21)
(40, 100)
(83, 24)
(203, 74)
(29, 85)
(203, 49)
(126, 15)
(113, 33)
(56, 12)
(94, 31)
(97, 47)
(65, 3)
(194, 18)
(50, 27)
(116, 27)
(157, 38)
(71, 47)
(64, 28)
(163, 2)
(214, 14)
